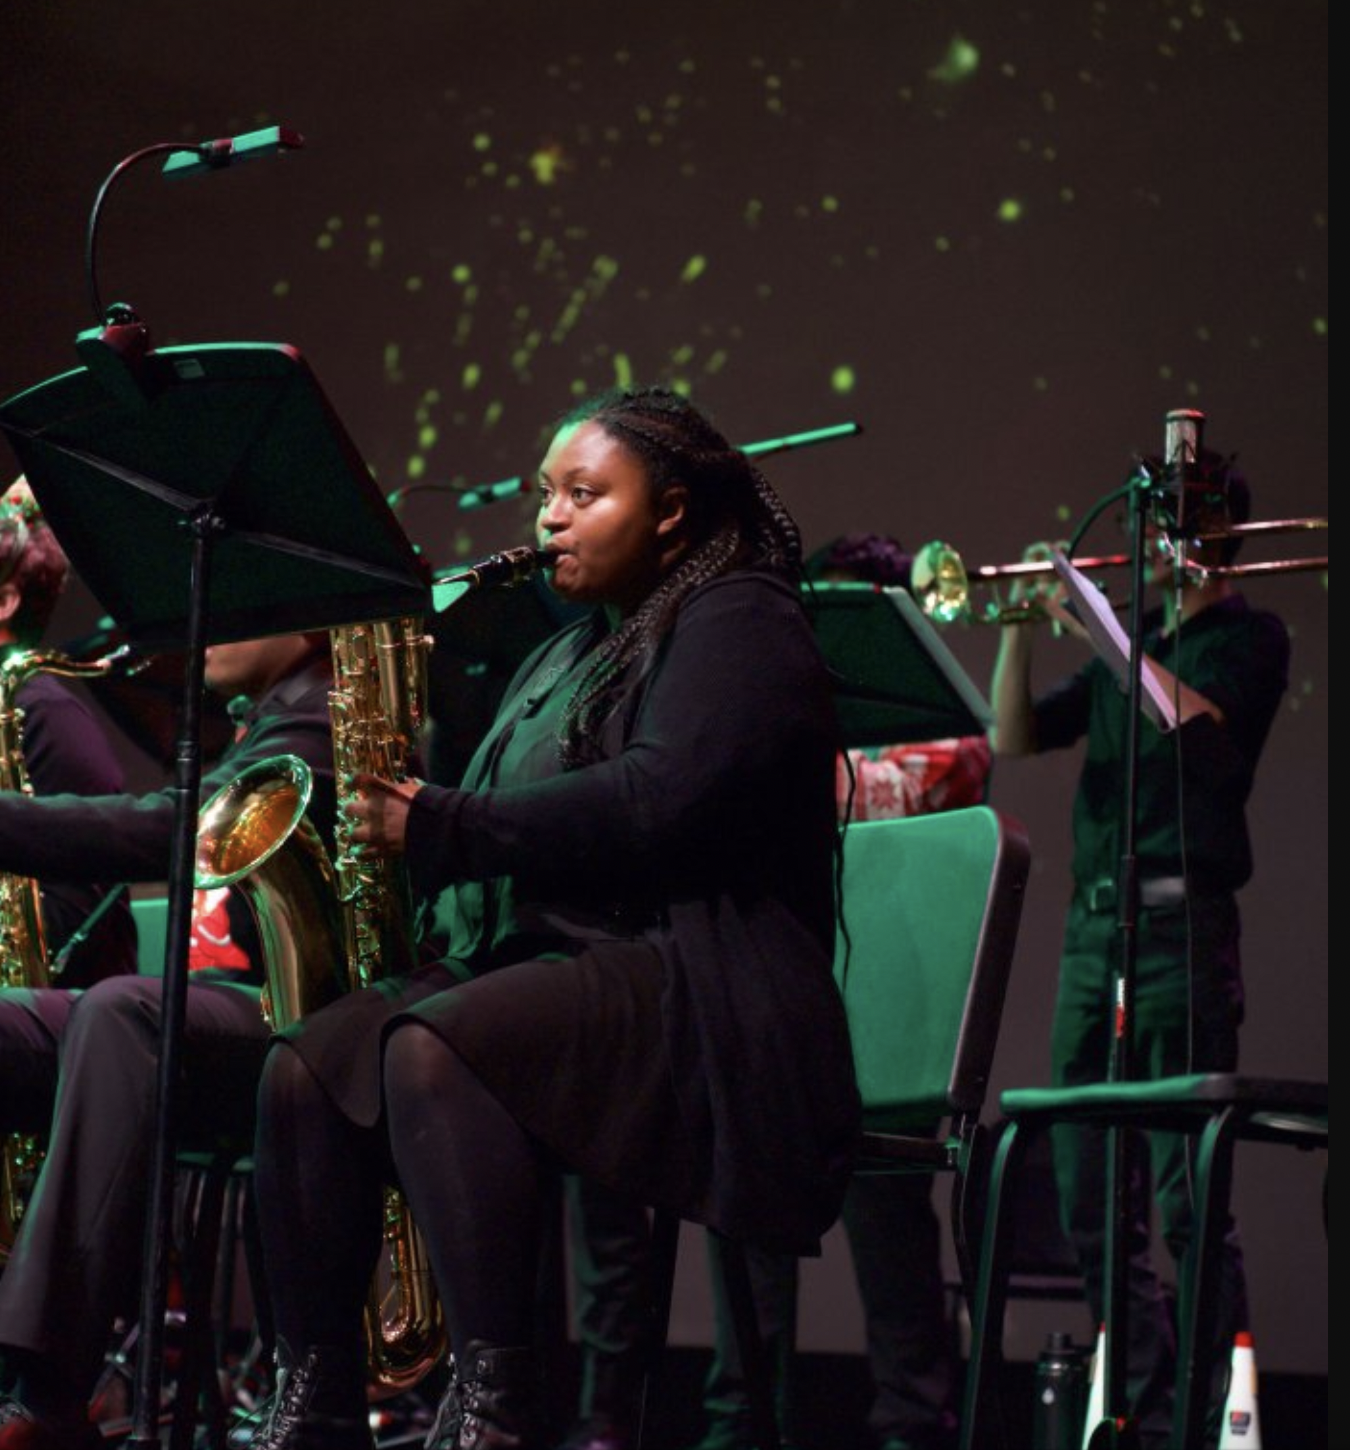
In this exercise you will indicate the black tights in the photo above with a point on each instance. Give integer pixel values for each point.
(475, 1182)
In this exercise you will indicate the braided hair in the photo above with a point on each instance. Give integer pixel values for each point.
(736, 520)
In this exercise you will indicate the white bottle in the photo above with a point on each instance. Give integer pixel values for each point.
(1241, 1421)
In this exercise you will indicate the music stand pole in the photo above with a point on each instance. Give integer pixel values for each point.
(202, 526)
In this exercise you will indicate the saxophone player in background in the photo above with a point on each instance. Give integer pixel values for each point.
(82, 1067)
(52, 743)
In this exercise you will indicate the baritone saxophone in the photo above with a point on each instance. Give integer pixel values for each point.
(378, 708)
(328, 926)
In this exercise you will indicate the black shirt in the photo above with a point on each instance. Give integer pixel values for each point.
(66, 749)
(1238, 658)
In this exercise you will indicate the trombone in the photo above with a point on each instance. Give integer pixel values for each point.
(942, 584)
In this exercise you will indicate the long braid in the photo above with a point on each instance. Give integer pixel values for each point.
(735, 514)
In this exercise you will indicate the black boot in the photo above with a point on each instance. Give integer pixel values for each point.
(319, 1404)
(491, 1404)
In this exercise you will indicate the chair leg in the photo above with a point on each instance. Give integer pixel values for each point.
(665, 1245)
(1195, 1318)
(982, 1418)
(204, 1215)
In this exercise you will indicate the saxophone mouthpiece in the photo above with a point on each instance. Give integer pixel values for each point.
(505, 569)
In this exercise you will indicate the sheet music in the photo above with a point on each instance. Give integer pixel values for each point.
(1112, 643)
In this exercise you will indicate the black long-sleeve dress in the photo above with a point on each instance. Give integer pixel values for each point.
(644, 944)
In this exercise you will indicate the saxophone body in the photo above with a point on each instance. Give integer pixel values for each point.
(328, 926)
(24, 960)
(378, 707)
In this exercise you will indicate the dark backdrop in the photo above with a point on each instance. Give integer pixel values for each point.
(1006, 239)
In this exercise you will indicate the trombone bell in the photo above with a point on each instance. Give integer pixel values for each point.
(939, 582)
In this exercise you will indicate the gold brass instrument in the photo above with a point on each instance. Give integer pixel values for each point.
(23, 944)
(330, 926)
(378, 706)
(943, 586)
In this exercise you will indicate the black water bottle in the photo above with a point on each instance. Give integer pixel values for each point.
(1061, 1394)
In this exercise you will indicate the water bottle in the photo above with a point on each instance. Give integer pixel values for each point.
(1061, 1394)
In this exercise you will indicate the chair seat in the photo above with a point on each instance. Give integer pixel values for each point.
(1272, 1108)
(1218, 1109)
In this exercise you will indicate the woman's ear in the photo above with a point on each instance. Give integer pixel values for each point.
(10, 599)
(672, 509)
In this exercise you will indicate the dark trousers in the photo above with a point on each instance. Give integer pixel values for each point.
(610, 1244)
(77, 1259)
(1187, 1010)
(895, 1242)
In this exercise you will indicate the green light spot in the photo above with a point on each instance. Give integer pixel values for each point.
(492, 415)
(1010, 210)
(716, 362)
(843, 380)
(694, 268)
(623, 370)
(375, 252)
(829, 203)
(427, 436)
(334, 224)
(461, 272)
(413, 284)
(1320, 326)
(943, 244)
(470, 377)
(1040, 384)
(682, 355)
(482, 142)
(324, 242)
(416, 468)
(1063, 513)
(281, 289)
(959, 64)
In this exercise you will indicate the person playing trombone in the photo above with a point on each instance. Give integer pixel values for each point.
(1225, 665)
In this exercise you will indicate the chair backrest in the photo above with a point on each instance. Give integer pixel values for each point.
(931, 907)
(151, 915)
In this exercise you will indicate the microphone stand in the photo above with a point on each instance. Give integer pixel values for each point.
(1116, 1431)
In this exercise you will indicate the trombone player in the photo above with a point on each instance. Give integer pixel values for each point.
(1225, 664)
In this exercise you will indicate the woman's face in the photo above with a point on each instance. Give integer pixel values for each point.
(614, 541)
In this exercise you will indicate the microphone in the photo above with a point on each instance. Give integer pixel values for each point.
(486, 493)
(1183, 439)
(217, 155)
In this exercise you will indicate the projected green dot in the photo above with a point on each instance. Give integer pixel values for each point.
(843, 380)
(961, 62)
(1010, 210)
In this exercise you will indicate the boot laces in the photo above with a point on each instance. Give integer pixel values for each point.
(449, 1416)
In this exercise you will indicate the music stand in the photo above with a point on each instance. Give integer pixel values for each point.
(205, 493)
(895, 679)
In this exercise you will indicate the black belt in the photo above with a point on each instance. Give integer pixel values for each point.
(1156, 893)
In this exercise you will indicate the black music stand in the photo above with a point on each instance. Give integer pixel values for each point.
(205, 493)
(895, 680)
